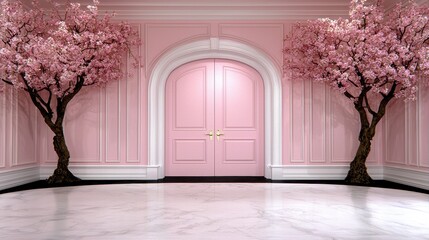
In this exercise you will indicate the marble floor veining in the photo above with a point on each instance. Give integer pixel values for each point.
(214, 211)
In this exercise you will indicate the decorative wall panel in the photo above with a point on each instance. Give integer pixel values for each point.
(133, 102)
(4, 136)
(112, 111)
(423, 128)
(17, 130)
(25, 136)
(317, 139)
(287, 121)
(407, 133)
(298, 122)
(396, 134)
(412, 133)
(257, 34)
(159, 37)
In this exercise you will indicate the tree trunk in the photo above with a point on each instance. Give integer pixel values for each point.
(358, 172)
(61, 174)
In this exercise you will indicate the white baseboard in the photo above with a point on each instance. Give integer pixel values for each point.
(410, 177)
(319, 172)
(110, 172)
(19, 176)
(15, 177)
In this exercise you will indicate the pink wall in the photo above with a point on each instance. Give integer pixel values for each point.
(18, 132)
(109, 126)
(407, 133)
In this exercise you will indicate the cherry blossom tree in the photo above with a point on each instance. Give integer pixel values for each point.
(52, 55)
(371, 58)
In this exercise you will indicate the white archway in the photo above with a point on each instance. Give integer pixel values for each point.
(215, 48)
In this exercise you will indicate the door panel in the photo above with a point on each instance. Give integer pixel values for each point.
(189, 111)
(238, 92)
(221, 96)
(239, 116)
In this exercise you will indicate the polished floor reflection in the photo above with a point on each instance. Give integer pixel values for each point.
(214, 211)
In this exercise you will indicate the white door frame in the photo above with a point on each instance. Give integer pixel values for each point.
(215, 48)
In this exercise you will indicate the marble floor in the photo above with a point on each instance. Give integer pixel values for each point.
(214, 211)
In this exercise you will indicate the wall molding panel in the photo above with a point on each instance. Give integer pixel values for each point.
(406, 140)
(18, 176)
(256, 34)
(3, 129)
(155, 49)
(110, 100)
(14, 128)
(133, 102)
(422, 133)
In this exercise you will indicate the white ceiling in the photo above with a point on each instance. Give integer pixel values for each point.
(226, 9)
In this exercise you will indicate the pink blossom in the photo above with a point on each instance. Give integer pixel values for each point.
(372, 49)
(53, 50)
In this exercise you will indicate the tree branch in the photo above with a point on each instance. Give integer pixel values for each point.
(62, 102)
(383, 104)
(34, 98)
(373, 113)
(354, 84)
(349, 95)
(8, 82)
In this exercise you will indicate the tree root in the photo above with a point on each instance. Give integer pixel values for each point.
(358, 176)
(62, 176)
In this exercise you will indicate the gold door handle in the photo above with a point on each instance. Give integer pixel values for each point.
(218, 134)
(210, 134)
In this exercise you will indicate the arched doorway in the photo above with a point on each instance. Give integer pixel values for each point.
(214, 120)
(215, 48)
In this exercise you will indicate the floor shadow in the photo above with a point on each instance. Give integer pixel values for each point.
(43, 184)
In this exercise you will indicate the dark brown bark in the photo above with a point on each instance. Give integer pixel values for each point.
(61, 174)
(358, 173)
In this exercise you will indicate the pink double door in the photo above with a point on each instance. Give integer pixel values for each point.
(214, 120)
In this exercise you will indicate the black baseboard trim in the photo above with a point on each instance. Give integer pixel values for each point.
(377, 183)
(215, 180)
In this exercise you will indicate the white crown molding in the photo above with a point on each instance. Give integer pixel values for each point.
(218, 10)
(224, 9)
(227, 14)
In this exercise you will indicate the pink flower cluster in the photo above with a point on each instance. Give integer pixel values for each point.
(53, 50)
(372, 51)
